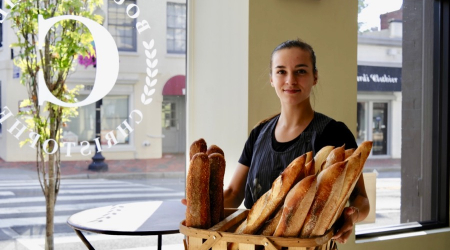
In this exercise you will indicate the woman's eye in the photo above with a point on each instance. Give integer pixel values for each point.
(281, 72)
(301, 71)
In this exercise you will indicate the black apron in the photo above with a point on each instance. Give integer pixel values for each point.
(267, 164)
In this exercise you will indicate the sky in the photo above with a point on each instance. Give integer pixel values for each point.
(371, 14)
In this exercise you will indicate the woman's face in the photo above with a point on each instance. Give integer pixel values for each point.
(292, 75)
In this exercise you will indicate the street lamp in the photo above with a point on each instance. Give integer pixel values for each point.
(98, 161)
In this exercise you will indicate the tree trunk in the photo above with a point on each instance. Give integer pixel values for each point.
(50, 203)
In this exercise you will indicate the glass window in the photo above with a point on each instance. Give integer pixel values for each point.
(396, 109)
(121, 27)
(176, 28)
(0, 105)
(114, 111)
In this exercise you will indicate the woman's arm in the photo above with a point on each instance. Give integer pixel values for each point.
(234, 194)
(356, 212)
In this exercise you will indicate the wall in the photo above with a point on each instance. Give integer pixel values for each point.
(217, 78)
(330, 29)
(222, 35)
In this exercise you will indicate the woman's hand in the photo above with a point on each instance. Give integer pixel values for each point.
(184, 202)
(349, 216)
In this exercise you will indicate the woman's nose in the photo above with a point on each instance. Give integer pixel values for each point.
(291, 79)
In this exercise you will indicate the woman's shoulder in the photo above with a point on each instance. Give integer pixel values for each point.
(336, 133)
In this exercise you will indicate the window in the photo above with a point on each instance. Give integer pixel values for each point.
(114, 111)
(403, 107)
(121, 27)
(1, 27)
(0, 105)
(176, 28)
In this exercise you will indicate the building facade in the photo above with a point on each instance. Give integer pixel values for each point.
(162, 127)
(379, 79)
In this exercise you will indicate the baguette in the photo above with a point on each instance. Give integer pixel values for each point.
(269, 227)
(353, 174)
(329, 184)
(349, 152)
(198, 146)
(265, 206)
(214, 149)
(309, 169)
(336, 155)
(197, 192)
(296, 206)
(321, 157)
(217, 171)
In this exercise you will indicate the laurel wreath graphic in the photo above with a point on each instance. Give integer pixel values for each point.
(152, 71)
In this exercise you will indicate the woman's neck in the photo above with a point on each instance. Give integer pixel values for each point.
(296, 116)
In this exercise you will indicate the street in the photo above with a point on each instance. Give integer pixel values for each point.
(22, 210)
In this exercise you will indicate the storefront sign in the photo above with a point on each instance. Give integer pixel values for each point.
(371, 78)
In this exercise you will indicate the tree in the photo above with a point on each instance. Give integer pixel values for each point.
(361, 5)
(63, 43)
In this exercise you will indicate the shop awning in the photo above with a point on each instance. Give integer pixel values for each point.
(175, 86)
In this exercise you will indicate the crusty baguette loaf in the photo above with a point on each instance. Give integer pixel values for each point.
(309, 157)
(214, 149)
(336, 155)
(309, 169)
(321, 157)
(198, 146)
(265, 206)
(329, 184)
(217, 172)
(349, 152)
(197, 192)
(296, 207)
(354, 171)
(269, 227)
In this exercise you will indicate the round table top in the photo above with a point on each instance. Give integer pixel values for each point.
(139, 218)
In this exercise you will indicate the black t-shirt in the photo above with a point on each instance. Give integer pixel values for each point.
(334, 134)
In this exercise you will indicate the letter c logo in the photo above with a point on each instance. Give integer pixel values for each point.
(107, 61)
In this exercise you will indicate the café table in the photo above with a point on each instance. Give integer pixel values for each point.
(138, 218)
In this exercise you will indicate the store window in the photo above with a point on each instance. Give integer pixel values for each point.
(401, 86)
(121, 27)
(0, 105)
(1, 27)
(114, 110)
(176, 28)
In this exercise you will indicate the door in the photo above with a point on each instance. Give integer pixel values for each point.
(174, 124)
(379, 128)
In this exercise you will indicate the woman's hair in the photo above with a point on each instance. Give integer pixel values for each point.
(296, 44)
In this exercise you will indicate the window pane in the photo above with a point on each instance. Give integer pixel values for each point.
(394, 109)
(121, 26)
(176, 28)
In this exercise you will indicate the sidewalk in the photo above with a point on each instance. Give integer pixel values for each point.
(169, 166)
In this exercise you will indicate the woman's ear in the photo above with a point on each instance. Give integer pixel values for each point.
(316, 76)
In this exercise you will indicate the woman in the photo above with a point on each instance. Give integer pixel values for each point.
(275, 142)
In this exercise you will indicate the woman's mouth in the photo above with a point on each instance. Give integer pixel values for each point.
(291, 91)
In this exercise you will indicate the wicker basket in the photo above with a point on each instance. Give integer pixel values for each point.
(218, 237)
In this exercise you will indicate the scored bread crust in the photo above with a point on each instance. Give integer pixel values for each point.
(269, 227)
(217, 172)
(329, 184)
(198, 146)
(271, 200)
(354, 171)
(197, 192)
(321, 157)
(336, 155)
(296, 207)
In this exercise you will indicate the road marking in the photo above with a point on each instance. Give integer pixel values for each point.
(7, 193)
(90, 197)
